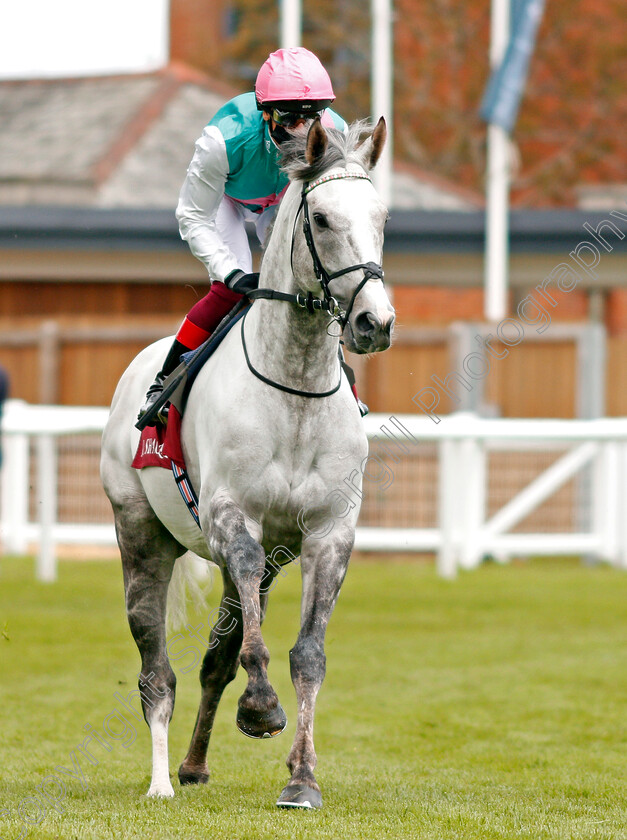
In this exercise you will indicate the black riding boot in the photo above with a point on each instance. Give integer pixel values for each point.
(350, 375)
(172, 361)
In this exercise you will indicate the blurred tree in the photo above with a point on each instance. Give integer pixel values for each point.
(337, 31)
(253, 29)
(571, 124)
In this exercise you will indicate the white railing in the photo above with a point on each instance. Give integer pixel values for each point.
(466, 533)
(465, 520)
(44, 425)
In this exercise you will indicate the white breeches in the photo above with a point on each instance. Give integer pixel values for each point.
(231, 224)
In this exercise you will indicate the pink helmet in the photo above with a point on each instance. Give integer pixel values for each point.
(294, 80)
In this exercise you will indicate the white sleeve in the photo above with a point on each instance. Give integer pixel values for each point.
(199, 200)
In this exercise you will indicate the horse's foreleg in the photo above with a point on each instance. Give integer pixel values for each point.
(259, 713)
(323, 570)
(148, 555)
(219, 667)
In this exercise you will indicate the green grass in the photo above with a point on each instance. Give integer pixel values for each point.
(494, 706)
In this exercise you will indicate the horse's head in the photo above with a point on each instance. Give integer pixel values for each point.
(337, 250)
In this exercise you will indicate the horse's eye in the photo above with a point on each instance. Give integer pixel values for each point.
(320, 220)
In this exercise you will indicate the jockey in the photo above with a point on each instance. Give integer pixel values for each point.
(234, 177)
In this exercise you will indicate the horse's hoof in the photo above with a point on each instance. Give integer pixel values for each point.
(160, 791)
(299, 796)
(193, 777)
(255, 724)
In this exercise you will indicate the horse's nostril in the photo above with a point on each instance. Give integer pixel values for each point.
(367, 323)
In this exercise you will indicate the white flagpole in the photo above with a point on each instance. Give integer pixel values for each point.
(497, 187)
(291, 23)
(381, 87)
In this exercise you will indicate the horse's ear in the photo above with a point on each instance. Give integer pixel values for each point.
(370, 150)
(316, 142)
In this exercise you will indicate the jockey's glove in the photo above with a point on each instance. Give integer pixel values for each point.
(242, 283)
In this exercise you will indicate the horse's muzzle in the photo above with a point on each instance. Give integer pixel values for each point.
(371, 334)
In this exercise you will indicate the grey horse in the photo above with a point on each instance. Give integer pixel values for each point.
(270, 431)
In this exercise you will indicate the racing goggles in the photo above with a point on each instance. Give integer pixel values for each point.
(290, 119)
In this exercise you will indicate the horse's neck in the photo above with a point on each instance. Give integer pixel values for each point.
(287, 343)
(292, 347)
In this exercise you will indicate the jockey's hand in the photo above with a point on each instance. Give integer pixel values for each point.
(242, 283)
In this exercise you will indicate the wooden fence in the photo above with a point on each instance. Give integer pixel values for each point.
(57, 361)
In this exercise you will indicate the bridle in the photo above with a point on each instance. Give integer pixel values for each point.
(371, 270)
(328, 303)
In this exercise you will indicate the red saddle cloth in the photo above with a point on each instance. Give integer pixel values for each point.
(159, 446)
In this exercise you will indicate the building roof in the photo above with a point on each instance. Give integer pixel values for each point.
(417, 231)
(126, 141)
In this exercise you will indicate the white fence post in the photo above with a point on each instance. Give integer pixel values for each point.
(14, 488)
(605, 501)
(448, 511)
(472, 472)
(47, 507)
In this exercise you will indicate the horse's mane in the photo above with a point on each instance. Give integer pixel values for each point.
(340, 151)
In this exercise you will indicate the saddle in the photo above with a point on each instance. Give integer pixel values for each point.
(160, 446)
(177, 385)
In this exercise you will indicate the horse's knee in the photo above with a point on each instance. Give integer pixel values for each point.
(245, 560)
(307, 661)
(244, 556)
(157, 690)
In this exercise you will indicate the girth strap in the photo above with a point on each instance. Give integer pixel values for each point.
(187, 491)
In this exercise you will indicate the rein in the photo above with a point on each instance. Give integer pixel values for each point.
(278, 384)
(312, 304)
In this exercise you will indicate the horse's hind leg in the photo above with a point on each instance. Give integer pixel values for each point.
(324, 565)
(259, 713)
(148, 554)
(219, 667)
